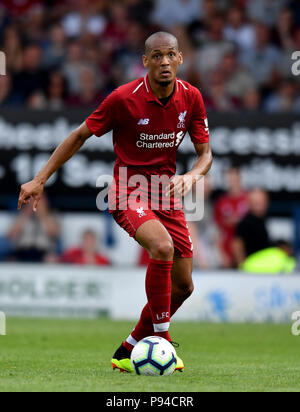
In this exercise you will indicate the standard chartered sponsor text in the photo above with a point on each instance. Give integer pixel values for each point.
(144, 143)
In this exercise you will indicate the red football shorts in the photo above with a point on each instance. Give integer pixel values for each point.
(173, 220)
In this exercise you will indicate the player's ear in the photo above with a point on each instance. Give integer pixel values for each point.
(180, 60)
(145, 61)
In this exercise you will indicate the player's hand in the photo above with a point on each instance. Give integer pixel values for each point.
(181, 185)
(31, 190)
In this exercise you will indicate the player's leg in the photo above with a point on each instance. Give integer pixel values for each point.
(154, 237)
(158, 242)
(182, 282)
(181, 273)
(182, 288)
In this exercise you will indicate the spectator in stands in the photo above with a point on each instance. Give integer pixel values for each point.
(252, 100)
(284, 29)
(238, 31)
(73, 65)
(54, 50)
(286, 99)
(12, 47)
(210, 9)
(251, 232)
(83, 18)
(187, 70)
(87, 253)
(237, 79)
(105, 37)
(264, 59)
(296, 38)
(5, 89)
(140, 10)
(265, 11)
(17, 8)
(56, 91)
(170, 13)
(203, 232)
(37, 101)
(3, 19)
(229, 209)
(285, 36)
(128, 57)
(117, 27)
(7, 97)
(35, 235)
(88, 95)
(209, 55)
(295, 9)
(31, 78)
(275, 259)
(216, 96)
(34, 24)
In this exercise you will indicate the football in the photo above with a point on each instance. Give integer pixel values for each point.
(153, 356)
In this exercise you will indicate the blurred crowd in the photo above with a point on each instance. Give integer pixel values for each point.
(233, 234)
(63, 54)
(37, 238)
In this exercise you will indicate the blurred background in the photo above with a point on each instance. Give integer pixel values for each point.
(64, 57)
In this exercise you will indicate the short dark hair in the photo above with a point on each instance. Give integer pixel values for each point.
(159, 34)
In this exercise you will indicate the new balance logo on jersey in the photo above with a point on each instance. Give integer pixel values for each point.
(143, 121)
(141, 212)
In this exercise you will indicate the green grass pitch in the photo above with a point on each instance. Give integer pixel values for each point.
(74, 355)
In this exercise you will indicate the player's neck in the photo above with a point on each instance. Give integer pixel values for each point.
(161, 91)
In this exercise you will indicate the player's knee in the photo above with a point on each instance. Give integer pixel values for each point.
(183, 291)
(188, 290)
(163, 250)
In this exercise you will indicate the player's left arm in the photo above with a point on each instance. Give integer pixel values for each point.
(203, 162)
(199, 133)
(182, 184)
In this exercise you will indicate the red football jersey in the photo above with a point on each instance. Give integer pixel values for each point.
(147, 134)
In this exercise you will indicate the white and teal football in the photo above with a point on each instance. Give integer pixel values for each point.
(153, 356)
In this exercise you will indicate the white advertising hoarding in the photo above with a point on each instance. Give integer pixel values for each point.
(67, 291)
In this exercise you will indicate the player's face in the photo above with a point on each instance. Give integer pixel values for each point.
(162, 62)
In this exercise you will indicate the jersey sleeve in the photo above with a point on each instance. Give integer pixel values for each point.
(198, 129)
(103, 119)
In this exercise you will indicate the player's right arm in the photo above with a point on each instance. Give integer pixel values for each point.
(34, 189)
(101, 121)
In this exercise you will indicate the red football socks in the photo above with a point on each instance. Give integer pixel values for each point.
(155, 317)
(158, 291)
(145, 327)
